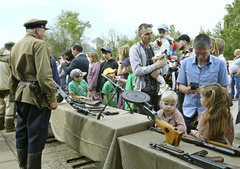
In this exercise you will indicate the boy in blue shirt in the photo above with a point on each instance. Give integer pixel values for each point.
(78, 87)
(108, 89)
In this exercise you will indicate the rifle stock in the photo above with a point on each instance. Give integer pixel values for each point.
(173, 136)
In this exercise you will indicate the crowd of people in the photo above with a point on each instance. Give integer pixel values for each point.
(189, 91)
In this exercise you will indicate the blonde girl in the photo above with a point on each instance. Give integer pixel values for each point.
(216, 122)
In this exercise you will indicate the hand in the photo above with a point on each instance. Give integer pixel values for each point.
(53, 106)
(155, 74)
(237, 74)
(61, 60)
(66, 62)
(189, 90)
(160, 63)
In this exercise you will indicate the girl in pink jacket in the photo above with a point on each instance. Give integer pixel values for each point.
(215, 123)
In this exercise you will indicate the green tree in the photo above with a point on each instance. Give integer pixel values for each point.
(173, 33)
(67, 31)
(231, 30)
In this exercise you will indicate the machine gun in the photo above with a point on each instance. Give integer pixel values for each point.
(223, 148)
(77, 104)
(119, 89)
(198, 158)
(173, 136)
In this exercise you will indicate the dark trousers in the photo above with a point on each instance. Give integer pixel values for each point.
(154, 101)
(180, 100)
(32, 127)
(190, 122)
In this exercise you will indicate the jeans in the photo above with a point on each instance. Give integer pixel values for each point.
(234, 80)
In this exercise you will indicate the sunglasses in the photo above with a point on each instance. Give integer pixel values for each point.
(144, 25)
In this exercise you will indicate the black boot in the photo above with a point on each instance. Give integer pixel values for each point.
(2, 123)
(22, 158)
(34, 161)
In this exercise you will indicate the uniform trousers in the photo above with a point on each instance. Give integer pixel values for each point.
(32, 127)
(6, 106)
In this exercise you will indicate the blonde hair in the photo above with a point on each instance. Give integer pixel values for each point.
(214, 50)
(218, 45)
(123, 51)
(218, 111)
(169, 96)
(94, 57)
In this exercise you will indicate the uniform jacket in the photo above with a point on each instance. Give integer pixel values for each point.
(30, 61)
(5, 72)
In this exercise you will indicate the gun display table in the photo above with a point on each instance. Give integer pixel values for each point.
(96, 139)
(136, 153)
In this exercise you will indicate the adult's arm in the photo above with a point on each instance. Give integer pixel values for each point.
(68, 69)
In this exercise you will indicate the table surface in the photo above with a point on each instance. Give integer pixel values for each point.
(136, 152)
(96, 139)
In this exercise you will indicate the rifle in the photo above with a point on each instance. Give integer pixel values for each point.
(77, 104)
(119, 89)
(197, 158)
(70, 100)
(173, 136)
(223, 148)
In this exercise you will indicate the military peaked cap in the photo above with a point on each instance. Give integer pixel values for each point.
(36, 23)
(9, 44)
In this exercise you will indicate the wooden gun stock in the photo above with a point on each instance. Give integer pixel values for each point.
(172, 135)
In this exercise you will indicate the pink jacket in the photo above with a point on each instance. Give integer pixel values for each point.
(92, 76)
(229, 133)
(176, 119)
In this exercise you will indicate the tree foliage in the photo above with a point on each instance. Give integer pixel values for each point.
(67, 31)
(231, 30)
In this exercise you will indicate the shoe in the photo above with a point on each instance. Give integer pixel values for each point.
(2, 127)
(163, 87)
(10, 130)
(234, 99)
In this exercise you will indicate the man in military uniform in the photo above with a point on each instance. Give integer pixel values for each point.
(31, 81)
(7, 111)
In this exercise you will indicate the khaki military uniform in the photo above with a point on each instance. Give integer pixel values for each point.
(7, 107)
(30, 61)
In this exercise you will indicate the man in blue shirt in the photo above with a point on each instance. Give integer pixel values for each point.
(201, 68)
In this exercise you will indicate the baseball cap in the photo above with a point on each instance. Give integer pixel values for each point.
(36, 23)
(77, 72)
(126, 62)
(163, 26)
(183, 37)
(106, 48)
(109, 70)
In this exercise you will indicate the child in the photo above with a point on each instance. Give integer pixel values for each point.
(108, 89)
(169, 112)
(129, 82)
(215, 123)
(92, 76)
(78, 87)
(161, 49)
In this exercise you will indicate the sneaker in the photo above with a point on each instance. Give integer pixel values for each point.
(10, 130)
(234, 99)
(163, 87)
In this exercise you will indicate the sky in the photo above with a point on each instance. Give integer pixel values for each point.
(124, 16)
